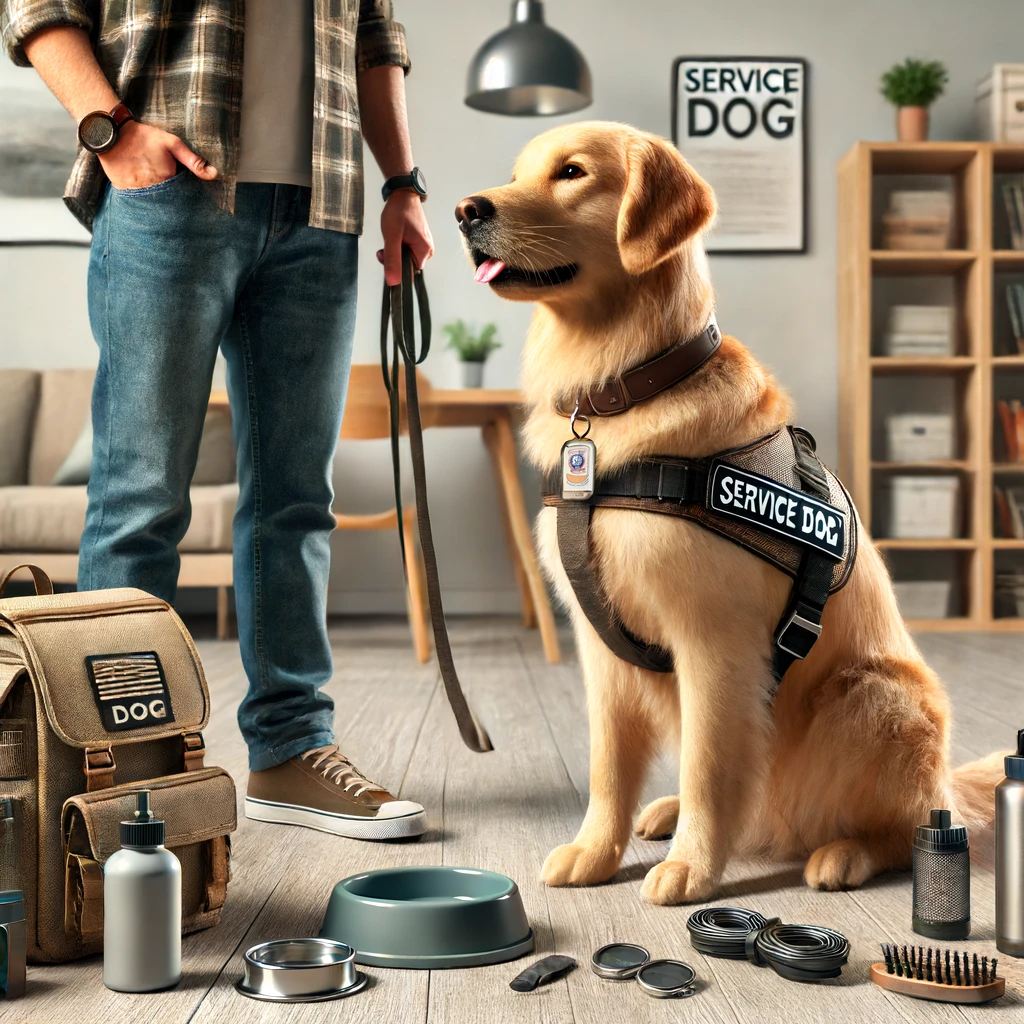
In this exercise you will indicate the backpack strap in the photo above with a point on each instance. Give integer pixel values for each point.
(43, 583)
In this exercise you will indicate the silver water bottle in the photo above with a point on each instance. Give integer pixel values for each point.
(1010, 855)
(142, 908)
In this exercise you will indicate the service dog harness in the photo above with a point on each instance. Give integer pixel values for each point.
(773, 497)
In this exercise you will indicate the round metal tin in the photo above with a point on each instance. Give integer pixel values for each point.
(619, 961)
(300, 971)
(667, 979)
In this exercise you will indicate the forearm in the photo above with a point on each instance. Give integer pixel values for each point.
(384, 119)
(64, 59)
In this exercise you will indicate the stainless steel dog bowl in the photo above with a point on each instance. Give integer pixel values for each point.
(300, 971)
(429, 917)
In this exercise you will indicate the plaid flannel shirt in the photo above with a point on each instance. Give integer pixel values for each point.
(179, 66)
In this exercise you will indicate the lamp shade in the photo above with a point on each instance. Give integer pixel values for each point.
(528, 69)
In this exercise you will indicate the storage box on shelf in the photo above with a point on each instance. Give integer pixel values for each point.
(923, 599)
(999, 101)
(923, 507)
(919, 437)
(885, 336)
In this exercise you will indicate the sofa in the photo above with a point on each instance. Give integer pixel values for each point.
(42, 415)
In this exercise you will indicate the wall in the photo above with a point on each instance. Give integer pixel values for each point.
(783, 307)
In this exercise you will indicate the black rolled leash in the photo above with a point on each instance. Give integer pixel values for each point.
(397, 310)
(799, 952)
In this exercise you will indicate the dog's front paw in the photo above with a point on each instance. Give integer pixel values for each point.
(576, 864)
(844, 864)
(659, 818)
(676, 881)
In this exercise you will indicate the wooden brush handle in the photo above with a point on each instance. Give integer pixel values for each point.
(935, 990)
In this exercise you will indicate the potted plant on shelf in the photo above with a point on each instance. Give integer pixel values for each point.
(472, 348)
(912, 87)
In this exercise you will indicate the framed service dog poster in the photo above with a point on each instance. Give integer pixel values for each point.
(742, 123)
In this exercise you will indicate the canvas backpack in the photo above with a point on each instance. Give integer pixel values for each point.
(101, 694)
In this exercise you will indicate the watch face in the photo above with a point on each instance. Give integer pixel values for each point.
(418, 181)
(97, 131)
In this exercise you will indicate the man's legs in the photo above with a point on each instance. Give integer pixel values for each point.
(162, 281)
(288, 353)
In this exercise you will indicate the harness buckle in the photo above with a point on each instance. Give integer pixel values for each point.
(797, 634)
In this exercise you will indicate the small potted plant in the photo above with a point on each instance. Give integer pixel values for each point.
(472, 348)
(912, 87)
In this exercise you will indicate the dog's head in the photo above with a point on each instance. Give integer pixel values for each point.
(589, 204)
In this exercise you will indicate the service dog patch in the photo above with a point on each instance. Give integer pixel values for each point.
(773, 506)
(130, 690)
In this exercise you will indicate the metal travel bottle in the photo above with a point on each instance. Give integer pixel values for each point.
(1010, 854)
(142, 908)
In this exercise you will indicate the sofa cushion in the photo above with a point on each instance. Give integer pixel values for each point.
(64, 399)
(64, 407)
(216, 462)
(75, 468)
(52, 518)
(19, 394)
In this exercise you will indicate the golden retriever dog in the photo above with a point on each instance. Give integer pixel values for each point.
(601, 226)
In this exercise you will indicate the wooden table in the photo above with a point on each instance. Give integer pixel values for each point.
(494, 411)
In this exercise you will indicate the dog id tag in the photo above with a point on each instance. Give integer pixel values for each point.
(578, 468)
(578, 458)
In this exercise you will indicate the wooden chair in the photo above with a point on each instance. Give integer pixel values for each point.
(367, 417)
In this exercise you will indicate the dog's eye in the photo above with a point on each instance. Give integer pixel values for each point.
(571, 171)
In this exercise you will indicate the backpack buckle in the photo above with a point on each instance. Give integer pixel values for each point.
(99, 766)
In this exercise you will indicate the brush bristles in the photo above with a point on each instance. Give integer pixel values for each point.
(921, 964)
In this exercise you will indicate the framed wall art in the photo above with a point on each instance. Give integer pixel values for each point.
(37, 150)
(742, 123)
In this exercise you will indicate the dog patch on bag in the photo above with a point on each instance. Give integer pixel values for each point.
(130, 690)
(773, 506)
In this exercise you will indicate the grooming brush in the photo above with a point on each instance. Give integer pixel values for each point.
(918, 972)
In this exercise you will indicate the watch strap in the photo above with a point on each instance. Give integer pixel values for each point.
(120, 113)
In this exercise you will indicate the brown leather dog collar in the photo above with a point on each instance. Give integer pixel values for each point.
(675, 364)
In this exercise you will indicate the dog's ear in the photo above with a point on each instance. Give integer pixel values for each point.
(665, 203)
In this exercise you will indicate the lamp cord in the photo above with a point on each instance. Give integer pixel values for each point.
(799, 952)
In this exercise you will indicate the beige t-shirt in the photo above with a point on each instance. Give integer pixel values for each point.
(276, 136)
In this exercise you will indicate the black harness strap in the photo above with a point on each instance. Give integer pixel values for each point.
(398, 310)
(800, 625)
(574, 548)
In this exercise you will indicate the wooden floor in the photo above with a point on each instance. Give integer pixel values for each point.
(505, 811)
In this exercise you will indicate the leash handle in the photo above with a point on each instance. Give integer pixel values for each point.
(397, 311)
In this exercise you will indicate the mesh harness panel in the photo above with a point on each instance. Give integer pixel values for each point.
(673, 486)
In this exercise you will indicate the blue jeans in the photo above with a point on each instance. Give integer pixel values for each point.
(171, 279)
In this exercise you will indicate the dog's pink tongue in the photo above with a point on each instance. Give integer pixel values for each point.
(489, 270)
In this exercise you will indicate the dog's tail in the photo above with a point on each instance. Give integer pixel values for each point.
(974, 790)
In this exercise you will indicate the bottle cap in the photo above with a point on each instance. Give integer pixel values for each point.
(145, 830)
(1014, 763)
(940, 835)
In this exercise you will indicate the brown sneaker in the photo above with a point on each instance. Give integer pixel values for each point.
(322, 789)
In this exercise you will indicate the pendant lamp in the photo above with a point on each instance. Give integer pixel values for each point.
(528, 69)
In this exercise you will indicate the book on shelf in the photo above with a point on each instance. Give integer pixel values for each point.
(1008, 421)
(1013, 200)
(1004, 518)
(919, 331)
(1015, 306)
(1014, 499)
(917, 219)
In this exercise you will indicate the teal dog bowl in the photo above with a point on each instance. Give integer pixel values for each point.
(429, 918)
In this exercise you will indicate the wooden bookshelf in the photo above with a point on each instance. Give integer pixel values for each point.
(972, 375)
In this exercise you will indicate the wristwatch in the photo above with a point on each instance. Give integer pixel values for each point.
(98, 132)
(414, 180)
